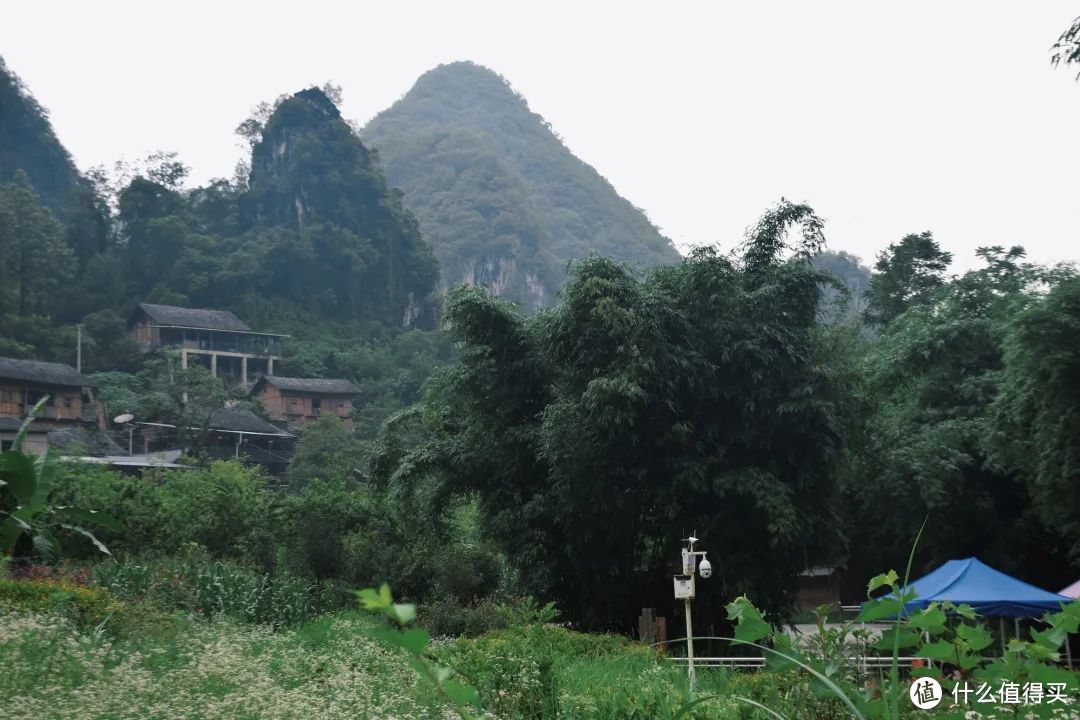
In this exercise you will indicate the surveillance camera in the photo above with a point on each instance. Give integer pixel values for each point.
(705, 568)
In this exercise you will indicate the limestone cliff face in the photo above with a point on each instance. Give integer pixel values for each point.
(313, 177)
(500, 198)
(504, 276)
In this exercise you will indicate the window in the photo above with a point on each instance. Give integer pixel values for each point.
(8, 396)
(32, 397)
(6, 445)
(343, 408)
(316, 405)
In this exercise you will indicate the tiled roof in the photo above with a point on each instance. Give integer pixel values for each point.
(241, 420)
(193, 318)
(46, 373)
(9, 423)
(322, 386)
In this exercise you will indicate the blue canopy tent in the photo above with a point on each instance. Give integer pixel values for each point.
(988, 591)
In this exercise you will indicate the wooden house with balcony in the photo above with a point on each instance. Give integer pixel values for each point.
(297, 401)
(216, 339)
(71, 399)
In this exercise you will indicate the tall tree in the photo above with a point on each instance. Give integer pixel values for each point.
(1066, 51)
(905, 274)
(1036, 423)
(596, 433)
(34, 260)
(922, 450)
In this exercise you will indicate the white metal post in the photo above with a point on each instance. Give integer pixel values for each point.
(690, 646)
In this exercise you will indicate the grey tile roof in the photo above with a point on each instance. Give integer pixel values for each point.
(242, 420)
(87, 440)
(323, 386)
(193, 318)
(9, 423)
(45, 373)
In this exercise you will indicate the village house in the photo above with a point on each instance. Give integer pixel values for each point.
(217, 339)
(70, 406)
(297, 401)
(35, 441)
(71, 401)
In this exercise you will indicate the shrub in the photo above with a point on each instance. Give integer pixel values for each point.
(449, 617)
(86, 606)
(224, 507)
(196, 584)
(515, 669)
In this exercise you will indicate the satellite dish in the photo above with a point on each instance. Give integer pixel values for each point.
(125, 418)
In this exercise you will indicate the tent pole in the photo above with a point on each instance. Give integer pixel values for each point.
(1001, 628)
(1068, 652)
(1016, 625)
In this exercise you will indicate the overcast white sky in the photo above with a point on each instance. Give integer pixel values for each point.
(888, 118)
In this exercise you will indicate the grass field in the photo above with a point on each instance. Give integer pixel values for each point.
(327, 669)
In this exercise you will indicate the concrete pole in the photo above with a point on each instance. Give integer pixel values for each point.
(213, 364)
(243, 371)
(78, 348)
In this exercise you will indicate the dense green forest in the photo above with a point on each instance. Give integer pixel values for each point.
(500, 198)
(790, 405)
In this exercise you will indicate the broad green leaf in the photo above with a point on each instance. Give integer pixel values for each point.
(1047, 674)
(907, 638)
(403, 614)
(931, 619)
(967, 660)
(741, 607)
(941, 651)
(886, 607)
(1052, 638)
(45, 470)
(441, 673)
(751, 630)
(965, 611)
(83, 531)
(461, 695)
(371, 599)
(879, 581)
(92, 517)
(977, 637)
(415, 640)
(30, 417)
(17, 470)
(12, 528)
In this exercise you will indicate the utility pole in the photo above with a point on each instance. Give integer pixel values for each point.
(78, 347)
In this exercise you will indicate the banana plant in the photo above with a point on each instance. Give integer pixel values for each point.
(25, 485)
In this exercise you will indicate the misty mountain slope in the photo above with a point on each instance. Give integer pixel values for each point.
(856, 278)
(27, 142)
(503, 202)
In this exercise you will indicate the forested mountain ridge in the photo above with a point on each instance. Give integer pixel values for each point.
(312, 175)
(28, 143)
(503, 202)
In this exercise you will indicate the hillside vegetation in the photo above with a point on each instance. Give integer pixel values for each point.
(503, 202)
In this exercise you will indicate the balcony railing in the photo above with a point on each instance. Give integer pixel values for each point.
(209, 341)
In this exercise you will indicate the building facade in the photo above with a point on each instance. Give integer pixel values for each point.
(217, 339)
(298, 401)
(70, 406)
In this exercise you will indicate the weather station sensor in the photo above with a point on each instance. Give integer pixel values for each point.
(684, 587)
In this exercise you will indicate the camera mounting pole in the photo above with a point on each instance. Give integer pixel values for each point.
(685, 589)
